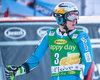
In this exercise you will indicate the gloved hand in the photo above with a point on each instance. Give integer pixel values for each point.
(12, 71)
(85, 77)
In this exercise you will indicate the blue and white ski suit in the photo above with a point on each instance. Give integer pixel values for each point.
(84, 47)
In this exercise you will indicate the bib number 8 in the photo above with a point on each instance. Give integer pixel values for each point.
(56, 61)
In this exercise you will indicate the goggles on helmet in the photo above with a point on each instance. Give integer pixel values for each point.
(69, 16)
(58, 15)
(59, 18)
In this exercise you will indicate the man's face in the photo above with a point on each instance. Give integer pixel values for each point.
(71, 24)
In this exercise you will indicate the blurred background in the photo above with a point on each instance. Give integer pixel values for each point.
(22, 8)
(23, 23)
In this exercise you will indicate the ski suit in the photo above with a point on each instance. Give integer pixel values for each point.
(67, 54)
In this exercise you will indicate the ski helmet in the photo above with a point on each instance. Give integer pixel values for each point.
(65, 11)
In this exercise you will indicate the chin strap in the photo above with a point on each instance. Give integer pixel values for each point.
(67, 31)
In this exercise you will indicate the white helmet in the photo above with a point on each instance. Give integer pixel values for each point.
(65, 11)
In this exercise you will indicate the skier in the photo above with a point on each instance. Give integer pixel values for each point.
(69, 47)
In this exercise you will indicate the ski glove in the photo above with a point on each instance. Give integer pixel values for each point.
(12, 71)
(86, 78)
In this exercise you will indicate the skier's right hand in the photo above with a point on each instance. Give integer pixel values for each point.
(12, 71)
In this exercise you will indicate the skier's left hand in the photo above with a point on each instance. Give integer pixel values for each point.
(85, 77)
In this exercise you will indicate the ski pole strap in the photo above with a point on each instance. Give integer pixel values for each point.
(27, 68)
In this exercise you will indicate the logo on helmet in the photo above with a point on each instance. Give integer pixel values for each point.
(63, 5)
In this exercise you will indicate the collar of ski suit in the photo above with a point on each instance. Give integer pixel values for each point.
(65, 34)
